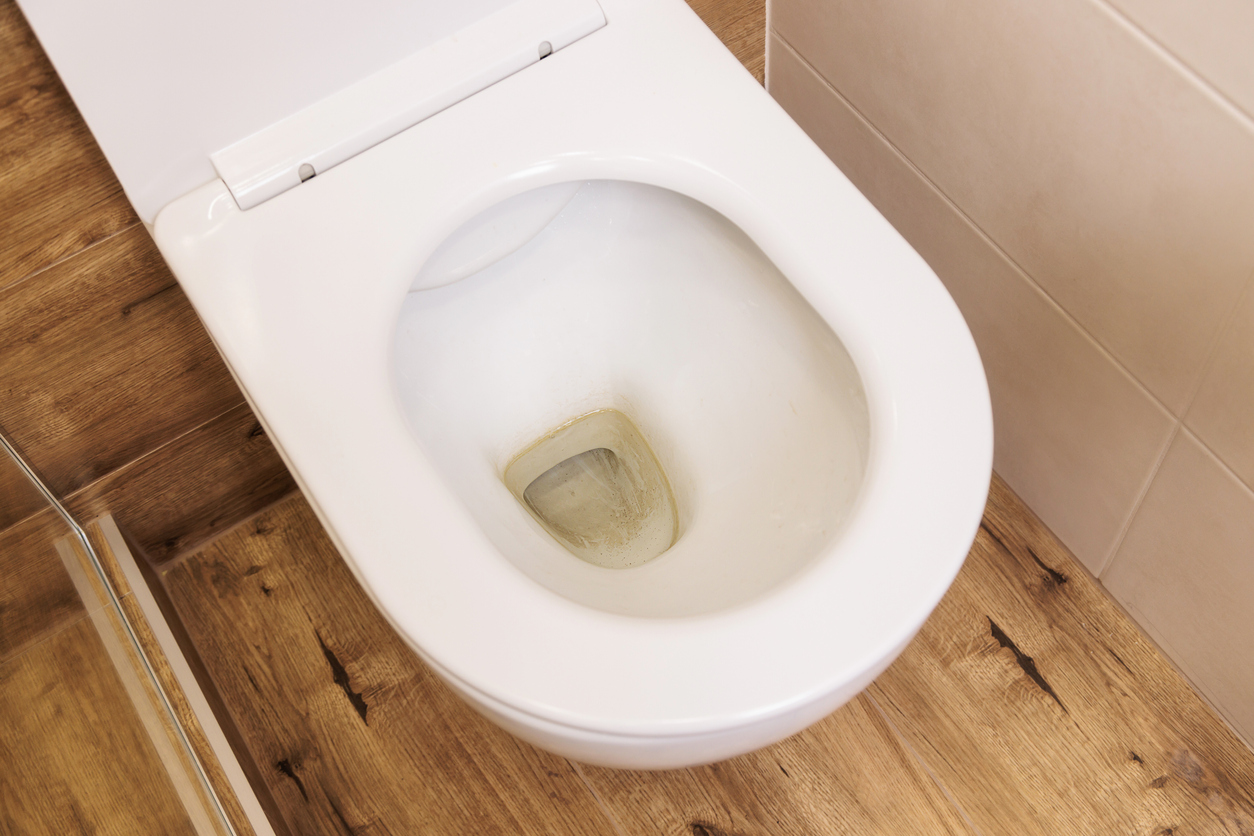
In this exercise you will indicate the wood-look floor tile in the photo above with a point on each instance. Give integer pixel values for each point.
(19, 498)
(58, 193)
(102, 359)
(37, 596)
(1042, 709)
(849, 774)
(196, 487)
(741, 26)
(74, 756)
(351, 729)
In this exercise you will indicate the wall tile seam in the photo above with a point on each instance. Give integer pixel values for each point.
(1173, 419)
(1242, 485)
(1109, 558)
(1211, 357)
(38, 271)
(1177, 425)
(1216, 340)
(1158, 641)
(1182, 424)
(1219, 332)
(1018, 269)
(1195, 78)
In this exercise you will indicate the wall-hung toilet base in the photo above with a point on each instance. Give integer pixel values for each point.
(379, 318)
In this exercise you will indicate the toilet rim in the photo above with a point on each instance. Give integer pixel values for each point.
(469, 612)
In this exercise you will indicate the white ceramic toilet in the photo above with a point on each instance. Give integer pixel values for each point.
(789, 442)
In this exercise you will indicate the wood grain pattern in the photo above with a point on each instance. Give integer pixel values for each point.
(741, 26)
(1028, 704)
(58, 193)
(188, 722)
(108, 382)
(849, 774)
(37, 597)
(1042, 709)
(19, 498)
(74, 757)
(101, 359)
(253, 771)
(171, 504)
(354, 734)
(192, 489)
(186, 718)
(140, 690)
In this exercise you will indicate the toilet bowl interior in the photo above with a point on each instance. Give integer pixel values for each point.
(610, 295)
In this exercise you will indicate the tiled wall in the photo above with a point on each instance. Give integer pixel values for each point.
(1080, 174)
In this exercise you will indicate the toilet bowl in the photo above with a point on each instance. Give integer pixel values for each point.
(636, 301)
(618, 279)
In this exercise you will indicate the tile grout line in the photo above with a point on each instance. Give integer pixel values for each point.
(1203, 85)
(1215, 341)
(1182, 426)
(979, 231)
(1176, 420)
(1217, 460)
(28, 517)
(1109, 559)
(1163, 647)
(46, 637)
(41, 270)
(184, 555)
(1245, 293)
(135, 462)
(596, 796)
(922, 763)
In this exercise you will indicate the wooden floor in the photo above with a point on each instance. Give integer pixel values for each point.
(75, 756)
(1029, 704)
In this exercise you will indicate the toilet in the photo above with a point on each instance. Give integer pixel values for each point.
(641, 426)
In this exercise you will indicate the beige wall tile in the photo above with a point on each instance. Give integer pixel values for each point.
(1186, 571)
(1076, 437)
(1101, 169)
(1215, 38)
(1222, 415)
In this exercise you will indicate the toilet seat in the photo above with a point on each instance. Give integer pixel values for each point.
(301, 295)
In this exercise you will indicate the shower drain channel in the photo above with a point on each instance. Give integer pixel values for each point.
(596, 487)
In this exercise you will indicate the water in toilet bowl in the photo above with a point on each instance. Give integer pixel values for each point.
(639, 300)
(596, 486)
